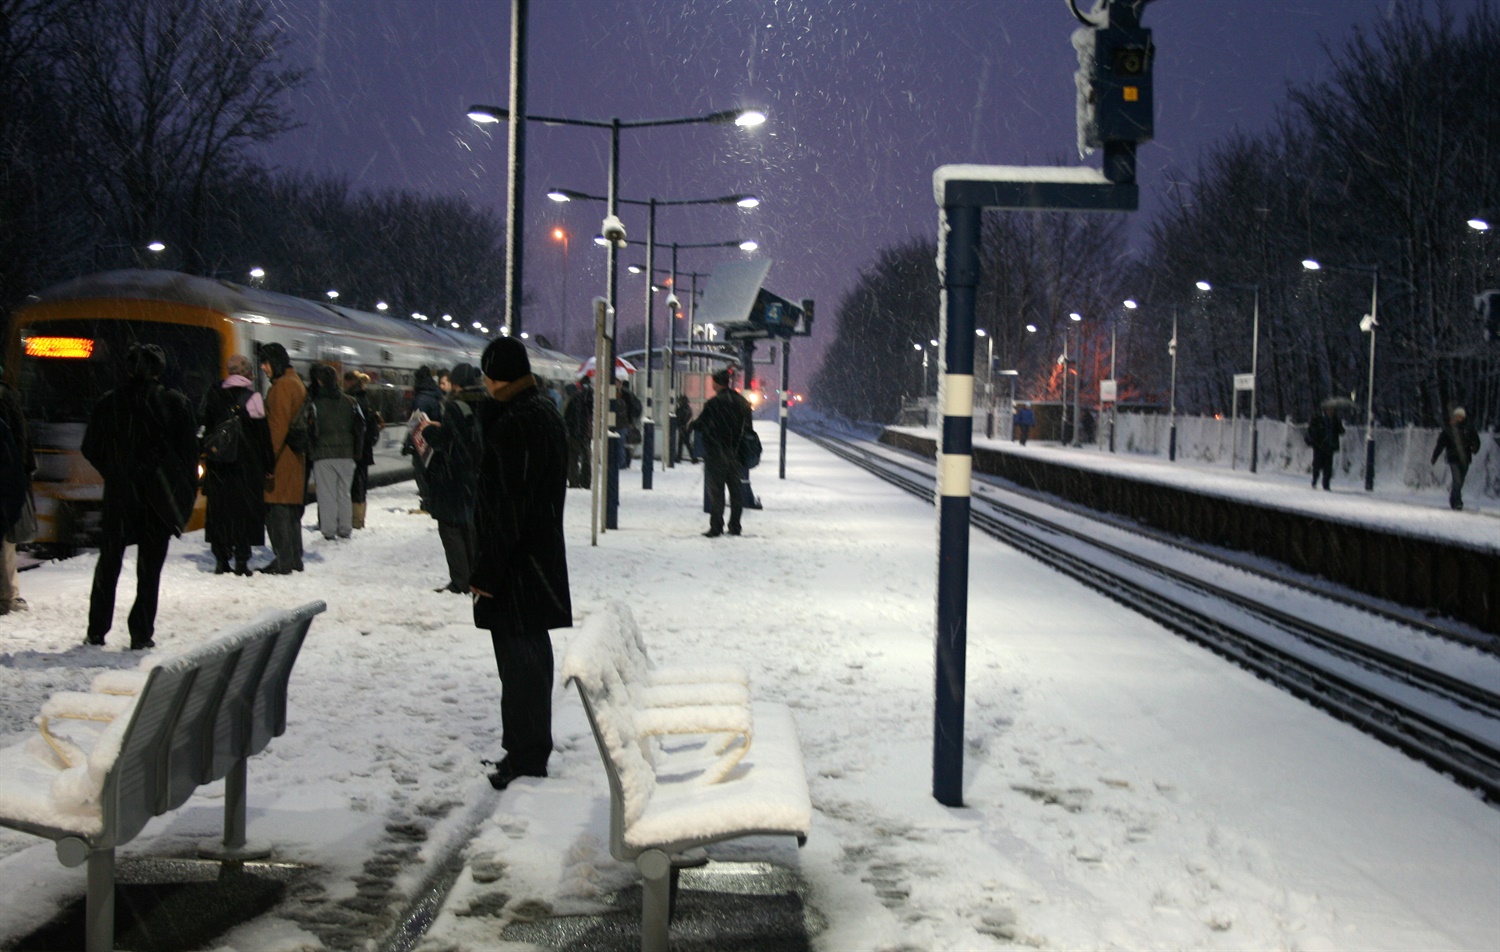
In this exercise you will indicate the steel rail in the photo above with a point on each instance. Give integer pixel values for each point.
(1473, 761)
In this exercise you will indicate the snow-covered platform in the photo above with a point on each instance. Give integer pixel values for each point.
(1122, 787)
(1406, 548)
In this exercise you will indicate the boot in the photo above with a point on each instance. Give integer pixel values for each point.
(359, 515)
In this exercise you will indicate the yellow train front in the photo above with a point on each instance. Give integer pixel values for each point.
(65, 350)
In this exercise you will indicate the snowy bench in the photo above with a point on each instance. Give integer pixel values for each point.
(732, 768)
(104, 763)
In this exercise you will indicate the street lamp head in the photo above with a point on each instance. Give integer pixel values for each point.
(635, 269)
(382, 307)
(1131, 304)
(1479, 223)
(1031, 328)
(487, 115)
(916, 346)
(257, 273)
(559, 235)
(332, 295)
(746, 201)
(933, 343)
(980, 332)
(157, 247)
(744, 118)
(1311, 264)
(613, 229)
(559, 195)
(748, 245)
(1204, 286)
(1075, 316)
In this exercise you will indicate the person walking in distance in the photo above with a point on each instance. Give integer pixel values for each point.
(1025, 420)
(1323, 435)
(286, 480)
(143, 439)
(520, 572)
(1458, 442)
(721, 424)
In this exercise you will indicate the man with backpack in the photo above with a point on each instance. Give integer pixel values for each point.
(722, 425)
(340, 441)
(286, 481)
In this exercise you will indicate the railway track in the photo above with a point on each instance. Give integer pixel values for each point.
(1342, 655)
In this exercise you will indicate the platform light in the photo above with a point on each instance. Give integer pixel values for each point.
(157, 247)
(382, 307)
(332, 294)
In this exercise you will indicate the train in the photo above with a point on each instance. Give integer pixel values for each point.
(66, 344)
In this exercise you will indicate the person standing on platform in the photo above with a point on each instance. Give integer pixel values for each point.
(520, 573)
(354, 386)
(578, 419)
(427, 399)
(143, 439)
(1025, 420)
(341, 439)
(1458, 442)
(684, 413)
(721, 424)
(23, 464)
(234, 489)
(286, 479)
(1323, 435)
(453, 473)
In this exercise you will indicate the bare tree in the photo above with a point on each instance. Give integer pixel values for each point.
(167, 95)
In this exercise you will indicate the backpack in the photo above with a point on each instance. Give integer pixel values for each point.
(302, 433)
(750, 448)
(222, 444)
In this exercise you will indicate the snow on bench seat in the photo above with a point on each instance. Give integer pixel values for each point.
(711, 769)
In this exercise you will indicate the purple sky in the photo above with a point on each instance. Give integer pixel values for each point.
(865, 99)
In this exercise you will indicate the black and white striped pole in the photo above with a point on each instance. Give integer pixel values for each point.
(959, 256)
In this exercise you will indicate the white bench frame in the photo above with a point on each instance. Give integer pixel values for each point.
(610, 678)
(198, 718)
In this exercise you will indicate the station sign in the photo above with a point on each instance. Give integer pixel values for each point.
(1244, 382)
(1107, 391)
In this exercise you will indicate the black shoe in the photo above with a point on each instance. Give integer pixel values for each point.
(94, 640)
(242, 567)
(142, 645)
(734, 530)
(220, 567)
(507, 770)
(714, 533)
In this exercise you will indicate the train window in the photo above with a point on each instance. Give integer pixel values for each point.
(58, 386)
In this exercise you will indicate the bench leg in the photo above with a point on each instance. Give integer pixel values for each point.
(656, 899)
(234, 846)
(99, 904)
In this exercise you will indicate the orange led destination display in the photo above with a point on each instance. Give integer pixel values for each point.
(81, 347)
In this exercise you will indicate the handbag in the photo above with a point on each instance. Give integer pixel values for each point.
(24, 529)
(750, 448)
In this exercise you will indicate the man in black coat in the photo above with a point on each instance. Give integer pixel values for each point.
(1458, 442)
(520, 572)
(1323, 435)
(722, 424)
(142, 438)
(15, 472)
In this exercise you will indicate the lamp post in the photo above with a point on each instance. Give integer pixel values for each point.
(648, 425)
(1254, 380)
(1077, 319)
(559, 234)
(989, 382)
(1368, 324)
(614, 230)
(1132, 304)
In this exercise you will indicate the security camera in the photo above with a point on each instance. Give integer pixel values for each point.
(613, 229)
(673, 303)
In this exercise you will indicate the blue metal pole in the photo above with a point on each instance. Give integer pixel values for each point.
(648, 426)
(955, 464)
(604, 372)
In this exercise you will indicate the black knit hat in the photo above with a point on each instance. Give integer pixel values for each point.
(463, 375)
(505, 360)
(145, 361)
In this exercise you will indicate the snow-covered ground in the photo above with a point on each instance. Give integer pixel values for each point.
(1123, 788)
